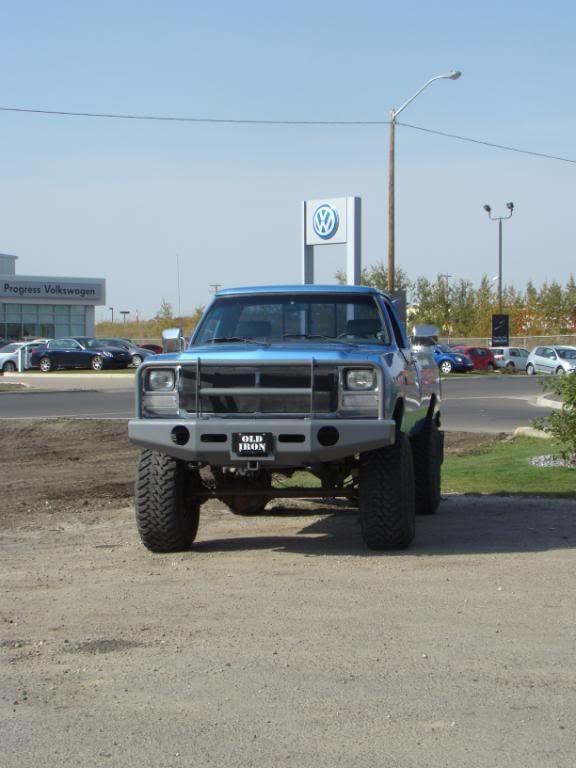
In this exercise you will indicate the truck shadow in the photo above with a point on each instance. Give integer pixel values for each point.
(462, 525)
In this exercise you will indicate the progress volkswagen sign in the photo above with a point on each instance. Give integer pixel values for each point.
(48, 290)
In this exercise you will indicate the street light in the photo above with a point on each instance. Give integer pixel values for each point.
(500, 219)
(454, 75)
(112, 311)
(124, 312)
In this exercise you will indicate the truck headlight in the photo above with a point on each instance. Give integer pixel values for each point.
(160, 380)
(360, 379)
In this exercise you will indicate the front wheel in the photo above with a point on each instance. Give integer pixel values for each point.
(560, 371)
(167, 510)
(446, 366)
(530, 369)
(97, 363)
(45, 364)
(386, 495)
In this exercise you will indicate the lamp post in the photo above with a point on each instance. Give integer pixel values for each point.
(500, 219)
(124, 312)
(454, 75)
(112, 311)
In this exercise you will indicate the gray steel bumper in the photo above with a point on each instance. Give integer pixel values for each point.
(294, 442)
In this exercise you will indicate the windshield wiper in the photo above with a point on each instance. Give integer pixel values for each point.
(248, 339)
(308, 336)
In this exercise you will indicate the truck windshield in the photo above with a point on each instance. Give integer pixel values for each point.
(290, 317)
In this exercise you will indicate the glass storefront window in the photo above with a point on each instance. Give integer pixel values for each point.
(18, 321)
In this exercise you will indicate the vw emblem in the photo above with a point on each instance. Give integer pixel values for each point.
(325, 221)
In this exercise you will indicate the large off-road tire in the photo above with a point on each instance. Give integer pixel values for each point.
(386, 495)
(428, 455)
(167, 511)
(245, 504)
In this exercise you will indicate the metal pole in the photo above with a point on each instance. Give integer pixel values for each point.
(500, 266)
(391, 209)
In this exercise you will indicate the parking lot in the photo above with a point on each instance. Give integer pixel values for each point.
(277, 639)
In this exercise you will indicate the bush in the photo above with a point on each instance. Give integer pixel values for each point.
(562, 423)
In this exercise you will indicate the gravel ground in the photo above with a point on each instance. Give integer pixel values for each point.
(277, 640)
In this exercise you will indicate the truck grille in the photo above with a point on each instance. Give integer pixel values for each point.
(282, 390)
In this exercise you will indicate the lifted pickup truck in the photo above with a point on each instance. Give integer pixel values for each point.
(281, 379)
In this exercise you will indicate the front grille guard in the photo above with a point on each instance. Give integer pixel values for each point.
(312, 365)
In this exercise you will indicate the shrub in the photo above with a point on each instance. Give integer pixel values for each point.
(562, 423)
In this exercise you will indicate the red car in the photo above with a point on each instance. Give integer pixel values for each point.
(482, 357)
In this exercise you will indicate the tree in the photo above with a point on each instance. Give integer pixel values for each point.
(165, 313)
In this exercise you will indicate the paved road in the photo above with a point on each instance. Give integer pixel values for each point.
(472, 403)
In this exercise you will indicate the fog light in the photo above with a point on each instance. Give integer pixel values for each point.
(180, 435)
(328, 436)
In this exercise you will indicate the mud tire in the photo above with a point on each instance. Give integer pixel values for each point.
(428, 455)
(386, 496)
(167, 513)
(246, 505)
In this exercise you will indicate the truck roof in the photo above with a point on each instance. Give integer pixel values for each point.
(298, 288)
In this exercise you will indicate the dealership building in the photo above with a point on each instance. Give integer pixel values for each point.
(34, 306)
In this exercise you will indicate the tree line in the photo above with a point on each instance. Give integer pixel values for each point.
(460, 309)
(455, 306)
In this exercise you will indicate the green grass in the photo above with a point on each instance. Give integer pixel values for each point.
(502, 468)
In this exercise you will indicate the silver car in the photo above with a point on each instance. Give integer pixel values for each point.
(554, 359)
(10, 353)
(510, 357)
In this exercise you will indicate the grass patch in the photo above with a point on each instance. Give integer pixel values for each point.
(502, 469)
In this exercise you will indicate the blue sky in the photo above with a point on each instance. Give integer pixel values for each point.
(163, 210)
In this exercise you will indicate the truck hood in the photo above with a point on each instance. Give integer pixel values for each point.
(296, 352)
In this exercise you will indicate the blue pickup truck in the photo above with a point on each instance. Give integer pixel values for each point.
(278, 379)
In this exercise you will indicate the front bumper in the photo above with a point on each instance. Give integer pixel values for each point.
(294, 442)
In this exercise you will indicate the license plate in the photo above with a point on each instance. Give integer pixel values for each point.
(252, 443)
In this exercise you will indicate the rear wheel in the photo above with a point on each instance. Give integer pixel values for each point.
(45, 364)
(97, 363)
(167, 511)
(386, 495)
(491, 367)
(244, 503)
(428, 455)
(136, 360)
(9, 367)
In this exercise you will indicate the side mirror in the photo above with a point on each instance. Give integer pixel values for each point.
(173, 340)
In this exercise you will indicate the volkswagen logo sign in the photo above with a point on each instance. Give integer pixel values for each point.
(325, 221)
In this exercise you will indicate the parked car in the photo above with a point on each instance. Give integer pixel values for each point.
(448, 360)
(510, 357)
(138, 353)
(482, 357)
(155, 348)
(10, 352)
(551, 360)
(74, 353)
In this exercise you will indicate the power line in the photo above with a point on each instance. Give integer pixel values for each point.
(172, 119)
(489, 143)
(238, 121)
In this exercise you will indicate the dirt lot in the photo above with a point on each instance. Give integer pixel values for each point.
(277, 640)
